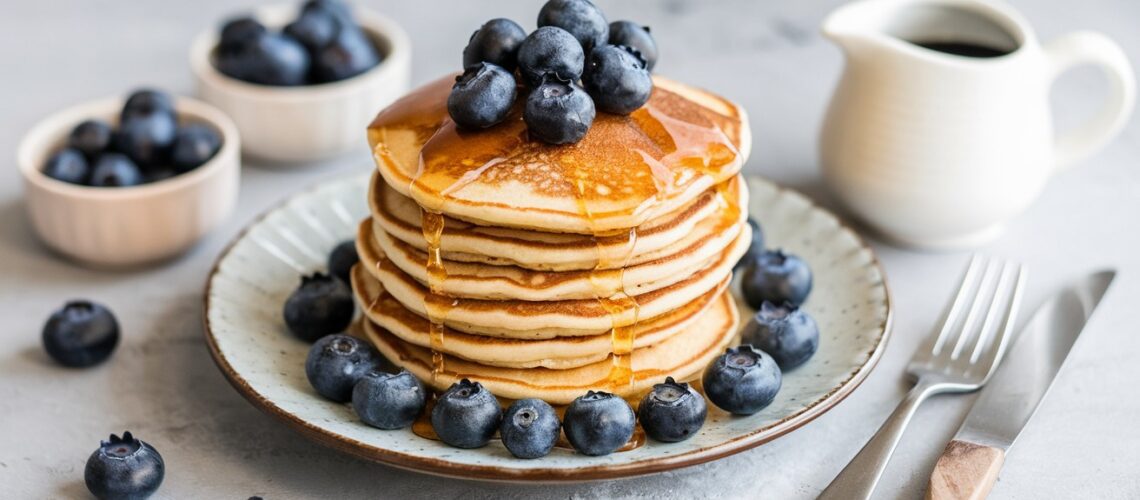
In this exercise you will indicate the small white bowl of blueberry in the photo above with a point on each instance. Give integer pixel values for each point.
(121, 183)
(302, 81)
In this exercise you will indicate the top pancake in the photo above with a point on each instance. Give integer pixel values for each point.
(625, 171)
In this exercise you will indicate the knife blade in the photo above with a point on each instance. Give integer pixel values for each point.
(969, 465)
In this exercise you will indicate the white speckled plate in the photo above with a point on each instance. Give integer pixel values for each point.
(248, 340)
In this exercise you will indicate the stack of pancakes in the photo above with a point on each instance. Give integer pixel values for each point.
(545, 271)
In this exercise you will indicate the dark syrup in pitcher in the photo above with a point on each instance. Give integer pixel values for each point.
(965, 49)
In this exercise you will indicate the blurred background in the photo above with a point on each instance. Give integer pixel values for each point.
(769, 56)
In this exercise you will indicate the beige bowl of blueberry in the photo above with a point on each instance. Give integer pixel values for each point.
(116, 182)
(302, 82)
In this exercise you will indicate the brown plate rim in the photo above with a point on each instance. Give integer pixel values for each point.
(553, 475)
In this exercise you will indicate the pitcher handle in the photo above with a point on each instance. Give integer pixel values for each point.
(1087, 47)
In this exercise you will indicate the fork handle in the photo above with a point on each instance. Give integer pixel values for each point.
(858, 479)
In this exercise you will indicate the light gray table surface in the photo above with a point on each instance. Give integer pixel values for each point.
(162, 384)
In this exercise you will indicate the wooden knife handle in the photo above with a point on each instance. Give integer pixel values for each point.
(965, 471)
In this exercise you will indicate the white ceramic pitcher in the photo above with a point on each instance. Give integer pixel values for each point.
(939, 150)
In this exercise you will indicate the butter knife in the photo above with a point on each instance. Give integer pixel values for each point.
(970, 463)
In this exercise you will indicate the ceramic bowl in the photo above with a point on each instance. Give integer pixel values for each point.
(312, 122)
(118, 227)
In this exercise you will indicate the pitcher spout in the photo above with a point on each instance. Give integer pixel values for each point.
(854, 25)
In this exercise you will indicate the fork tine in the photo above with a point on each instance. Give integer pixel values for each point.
(997, 347)
(934, 345)
(982, 300)
(997, 305)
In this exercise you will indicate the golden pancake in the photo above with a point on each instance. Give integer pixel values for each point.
(558, 353)
(402, 218)
(521, 319)
(627, 169)
(681, 356)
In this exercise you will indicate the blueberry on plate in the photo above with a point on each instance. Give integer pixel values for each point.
(269, 59)
(314, 28)
(388, 400)
(239, 32)
(598, 423)
(81, 334)
(496, 42)
(776, 277)
(743, 380)
(336, 363)
(322, 305)
(672, 412)
(482, 96)
(617, 79)
(637, 37)
(146, 102)
(580, 18)
(124, 468)
(558, 113)
(350, 53)
(194, 145)
(467, 415)
(91, 138)
(115, 170)
(341, 260)
(530, 428)
(785, 332)
(550, 53)
(754, 249)
(147, 139)
(68, 165)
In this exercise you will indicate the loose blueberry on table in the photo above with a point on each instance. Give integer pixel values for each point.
(341, 259)
(743, 380)
(467, 415)
(530, 428)
(320, 306)
(598, 423)
(81, 334)
(336, 364)
(124, 468)
(388, 400)
(672, 412)
(323, 44)
(785, 332)
(776, 277)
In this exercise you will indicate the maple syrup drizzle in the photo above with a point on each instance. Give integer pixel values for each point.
(436, 302)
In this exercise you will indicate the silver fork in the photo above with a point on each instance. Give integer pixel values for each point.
(960, 357)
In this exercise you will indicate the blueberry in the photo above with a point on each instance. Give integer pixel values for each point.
(349, 54)
(598, 423)
(314, 28)
(194, 145)
(388, 400)
(558, 113)
(580, 18)
(482, 96)
(335, 7)
(754, 249)
(91, 138)
(776, 277)
(743, 380)
(530, 428)
(637, 37)
(146, 102)
(81, 334)
(115, 170)
(617, 79)
(269, 59)
(147, 139)
(467, 415)
(321, 306)
(341, 260)
(785, 332)
(68, 165)
(238, 33)
(124, 468)
(336, 363)
(672, 412)
(550, 53)
(496, 42)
